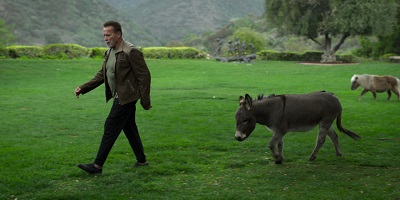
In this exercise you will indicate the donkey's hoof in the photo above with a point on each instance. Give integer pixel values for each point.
(278, 160)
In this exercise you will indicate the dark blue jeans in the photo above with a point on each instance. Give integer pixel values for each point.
(120, 118)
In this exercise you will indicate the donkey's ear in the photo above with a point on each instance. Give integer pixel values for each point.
(241, 100)
(249, 102)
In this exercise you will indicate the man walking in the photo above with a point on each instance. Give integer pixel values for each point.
(127, 79)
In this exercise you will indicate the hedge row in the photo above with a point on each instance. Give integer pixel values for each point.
(309, 56)
(173, 53)
(53, 51)
(70, 51)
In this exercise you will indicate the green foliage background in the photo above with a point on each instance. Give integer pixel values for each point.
(172, 23)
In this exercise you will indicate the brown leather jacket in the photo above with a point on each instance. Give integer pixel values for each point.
(132, 76)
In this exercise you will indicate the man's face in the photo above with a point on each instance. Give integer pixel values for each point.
(110, 37)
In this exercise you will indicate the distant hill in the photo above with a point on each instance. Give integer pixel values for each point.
(173, 19)
(145, 22)
(42, 22)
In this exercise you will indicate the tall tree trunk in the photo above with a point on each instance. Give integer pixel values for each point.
(329, 53)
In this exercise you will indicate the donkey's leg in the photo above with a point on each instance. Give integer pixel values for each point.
(362, 93)
(320, 141)
(276, 138)
(280, 151)
(334, 138)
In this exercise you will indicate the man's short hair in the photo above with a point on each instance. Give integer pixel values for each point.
(116, 26)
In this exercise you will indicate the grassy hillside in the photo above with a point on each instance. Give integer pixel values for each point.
(145, 22)
(42, 22)
(173, 19)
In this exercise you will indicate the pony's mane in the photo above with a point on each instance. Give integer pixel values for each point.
(354, 77)
(363, 79)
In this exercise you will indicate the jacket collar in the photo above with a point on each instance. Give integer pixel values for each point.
(124, 46)
(120, 47)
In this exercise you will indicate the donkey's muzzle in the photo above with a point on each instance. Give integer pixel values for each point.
(240, 136)
(239, 139)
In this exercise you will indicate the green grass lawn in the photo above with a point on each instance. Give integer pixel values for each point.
(189, 135)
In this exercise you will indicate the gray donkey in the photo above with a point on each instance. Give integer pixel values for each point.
(291, 113)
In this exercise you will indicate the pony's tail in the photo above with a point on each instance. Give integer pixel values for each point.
(398, 85)
(343, 130)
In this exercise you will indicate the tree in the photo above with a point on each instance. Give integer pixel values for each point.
(6, 34)
(250, 37)
(323, 20)
(390, 43)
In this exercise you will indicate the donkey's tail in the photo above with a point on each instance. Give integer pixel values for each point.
(343, 130)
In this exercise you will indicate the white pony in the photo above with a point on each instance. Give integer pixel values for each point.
(376, 84)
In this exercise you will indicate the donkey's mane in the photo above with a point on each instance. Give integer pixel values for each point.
(262, 96)
(259, 97)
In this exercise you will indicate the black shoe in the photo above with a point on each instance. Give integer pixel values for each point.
(89, 168)
(138, 164)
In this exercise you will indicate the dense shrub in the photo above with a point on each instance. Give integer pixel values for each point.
(249, 36)
(276, 55)
(308, 56)
(312, 56)
(65, 51)
(97, 52)
(368, 48)
(377, 47)
(269, 55)
(3, 53)
(348, 58)
(289, 56)
(386, 58)
(24, 51)
(172, 52)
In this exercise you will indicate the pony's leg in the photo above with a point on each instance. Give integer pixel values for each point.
(334, 138)
(320, 141)
(396, 92)
(374, 93)
(362, 93)
(273, 143)
(389, 94)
